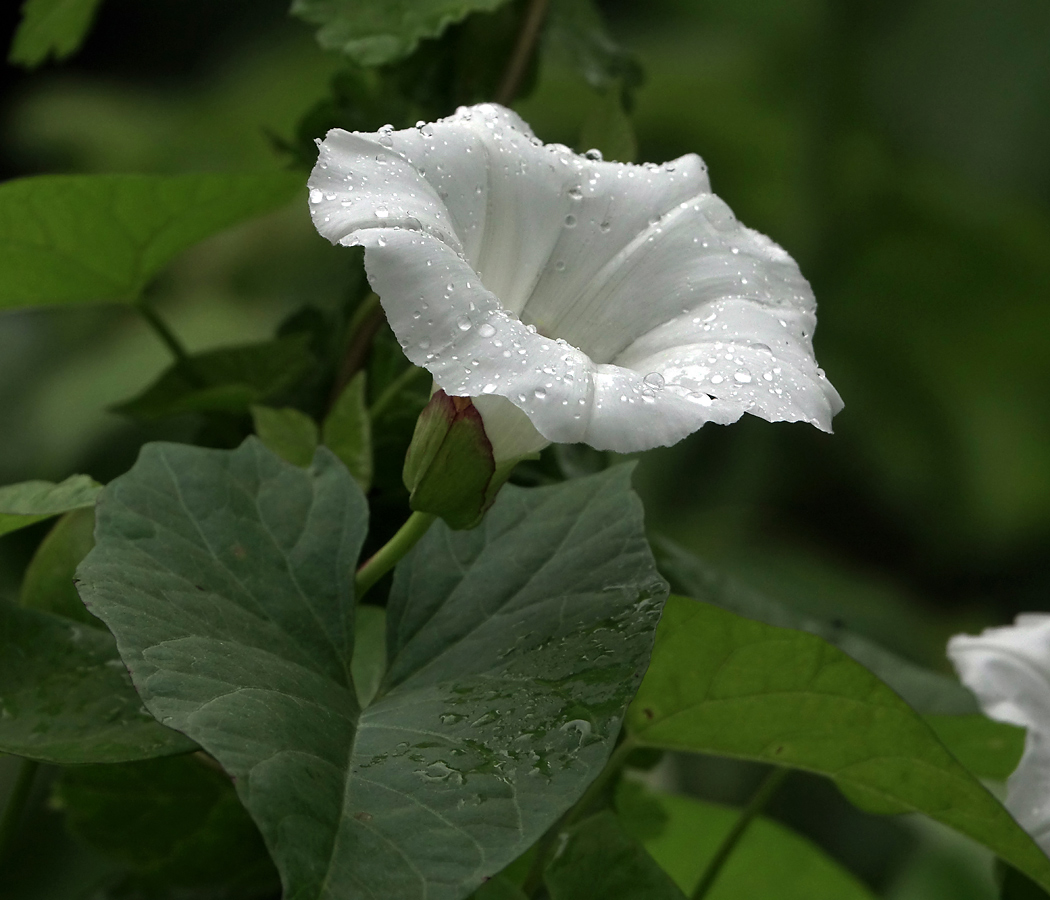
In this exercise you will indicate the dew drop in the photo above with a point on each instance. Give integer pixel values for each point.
(486, 330)
(654, 380)
(605, 226)
(463, 323)
(743, 376)
(570, 221)
(576, 192)
(315, 195)
(594, 154)
(382, 212)
(539, 393)
(717, 379)
(488, 388)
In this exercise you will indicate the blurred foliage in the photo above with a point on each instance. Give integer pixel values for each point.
(898, 151)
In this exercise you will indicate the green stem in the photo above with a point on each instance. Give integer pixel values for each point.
(765, 791)
(16, 804)
(392, 390)
(519, 60)
(165, 333)
(387, 556)
(578, 810)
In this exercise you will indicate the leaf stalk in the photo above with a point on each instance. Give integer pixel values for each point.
(387, 556)
(769, 786)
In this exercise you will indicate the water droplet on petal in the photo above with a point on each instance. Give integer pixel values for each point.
(488, 389)
(654, 380)
(717, 379)
(315, 195)
(486, 330)
(382, 212)
(743, 376)
(605, 226)
(594, 154)
(463, 323)
(570, 221)
(539, 393)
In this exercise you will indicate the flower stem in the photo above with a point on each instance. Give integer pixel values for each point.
(16, 804)
(519, 61)
(762, 796)
(578, 810)
(386, 557)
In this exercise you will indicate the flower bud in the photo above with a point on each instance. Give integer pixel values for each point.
(451, 470)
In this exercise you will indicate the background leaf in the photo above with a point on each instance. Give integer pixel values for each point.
(373, 32)
(51, 28)
(514, 649)
(927, 691)
(597, 858)
(230, 379)
(771, 862)
(68, 239)
(48, 581)
(730, 686)
(33, 501)
(289, 433)
(987, 748)
(176, 823)
(65, 696)
(347, 431)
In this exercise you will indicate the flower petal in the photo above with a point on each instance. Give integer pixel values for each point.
(582, 291)
(1009, 671)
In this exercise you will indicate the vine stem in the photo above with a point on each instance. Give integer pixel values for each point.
(167, 336)
(16, 804)
(578, 810)
(519, 60)
(762, 796)
(386, 557)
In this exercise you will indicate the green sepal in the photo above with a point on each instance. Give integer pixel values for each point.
(450, 470)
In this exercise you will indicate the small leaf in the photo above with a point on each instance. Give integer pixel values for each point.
(66, 698)
(771, 862)
(374, 32)
(347, 431)
(29, 502)
(927, 691)
(369, 663)
(48, 582)
(599, 859)
(987, 748)
(499, 888)
(230, 379)
(176, 822)
(730, 686)
(51, 28)
(514, 648)
(68, 239)
(289, 433)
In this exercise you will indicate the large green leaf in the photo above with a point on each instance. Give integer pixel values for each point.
(28, 502)
(730, 686)
(101, 238)
(176, 823)
(51, 28)
(65, 696)
(373, 32)
(514, 648)
(598, 858)
(771, 862)
(927, 691)
(228, 379)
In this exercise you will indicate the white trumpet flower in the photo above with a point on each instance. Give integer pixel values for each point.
(1009, 670)
(576, 300)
